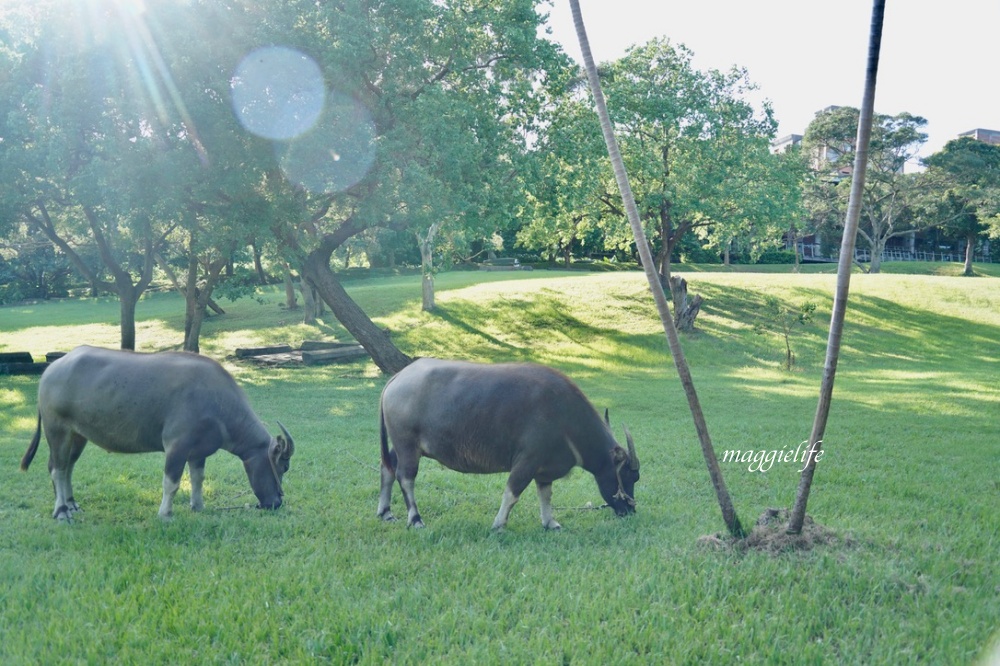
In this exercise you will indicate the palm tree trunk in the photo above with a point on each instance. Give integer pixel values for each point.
(798, 514)
(646, 255)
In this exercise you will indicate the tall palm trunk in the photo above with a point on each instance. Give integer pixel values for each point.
(843, 269)
(645, 253)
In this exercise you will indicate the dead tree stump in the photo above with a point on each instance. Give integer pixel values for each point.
(685, 309)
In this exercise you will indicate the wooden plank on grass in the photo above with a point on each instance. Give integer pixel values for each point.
(16, 357)
(323, 356)
(22, 368)
(247, 352)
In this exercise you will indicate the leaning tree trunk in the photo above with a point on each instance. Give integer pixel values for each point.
(660, 298)
(798, 514)
(375, 340)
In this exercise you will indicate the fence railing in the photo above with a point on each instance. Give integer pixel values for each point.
(812, 251)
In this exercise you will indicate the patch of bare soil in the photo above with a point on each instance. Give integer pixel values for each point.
(768, 535)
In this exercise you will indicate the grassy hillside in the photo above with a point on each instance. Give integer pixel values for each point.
(908, 484)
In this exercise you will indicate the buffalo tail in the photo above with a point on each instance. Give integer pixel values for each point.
(29, 455)
(387, 458)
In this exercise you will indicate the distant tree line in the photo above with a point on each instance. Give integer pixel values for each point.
(216, 145)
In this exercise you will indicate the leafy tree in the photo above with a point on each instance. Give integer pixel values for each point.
(449, 87)
(890, 195)
(698, 155)
(698, 152)
(102, 149)
(966, 177)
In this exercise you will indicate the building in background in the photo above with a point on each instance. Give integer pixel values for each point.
(984, 135)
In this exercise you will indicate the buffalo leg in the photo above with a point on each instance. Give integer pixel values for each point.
(196, 467)
(545, 500)
(385, 490)
(516, 483)
(407, 465)
(171, 482)
(65, 447)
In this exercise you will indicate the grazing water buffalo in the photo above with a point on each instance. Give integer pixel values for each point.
(525, 419)
(183, 404)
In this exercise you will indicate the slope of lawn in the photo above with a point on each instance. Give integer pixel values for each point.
(909, 484)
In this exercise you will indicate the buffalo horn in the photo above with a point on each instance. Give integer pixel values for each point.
(633, 459)
(289, 444)
(607, 421)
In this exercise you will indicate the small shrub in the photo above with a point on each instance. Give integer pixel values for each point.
(782, 318)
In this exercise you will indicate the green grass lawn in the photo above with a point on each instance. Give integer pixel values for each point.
(909, 483)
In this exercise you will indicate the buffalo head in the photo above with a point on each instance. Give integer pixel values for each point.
(627, 473)
(266, 469)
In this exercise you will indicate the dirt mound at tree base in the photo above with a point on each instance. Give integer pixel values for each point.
(768, 535)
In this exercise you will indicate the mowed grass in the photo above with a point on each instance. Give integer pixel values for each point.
(909, 482)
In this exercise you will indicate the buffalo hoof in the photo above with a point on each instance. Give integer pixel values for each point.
(553, 526)
(417, 524)
(387, 516)
(63, 515)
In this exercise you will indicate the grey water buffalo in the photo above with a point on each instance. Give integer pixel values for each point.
(525, 419)
(180, 403)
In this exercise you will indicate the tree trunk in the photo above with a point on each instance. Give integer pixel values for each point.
(970, 248)
(427, 293)
(798, 515)
(198, 299)
(290, 301)
(375, 340)
(311, 309)
(258, 266)
(875, 265)
(663, 308)
(427, 266)
(215, 307)
(127, 298)
(193, 333)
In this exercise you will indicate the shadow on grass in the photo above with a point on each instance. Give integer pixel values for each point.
(542, 329)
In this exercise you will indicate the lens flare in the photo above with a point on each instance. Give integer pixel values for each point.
(278, 92)
(336, 153)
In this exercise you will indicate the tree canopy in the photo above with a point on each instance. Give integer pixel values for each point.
(697, 153)
(890, 193)
(966, 173)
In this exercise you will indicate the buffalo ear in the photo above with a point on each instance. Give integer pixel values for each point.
(286, 446)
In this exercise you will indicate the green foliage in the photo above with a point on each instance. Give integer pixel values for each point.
(322, 580)
(773, 256)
